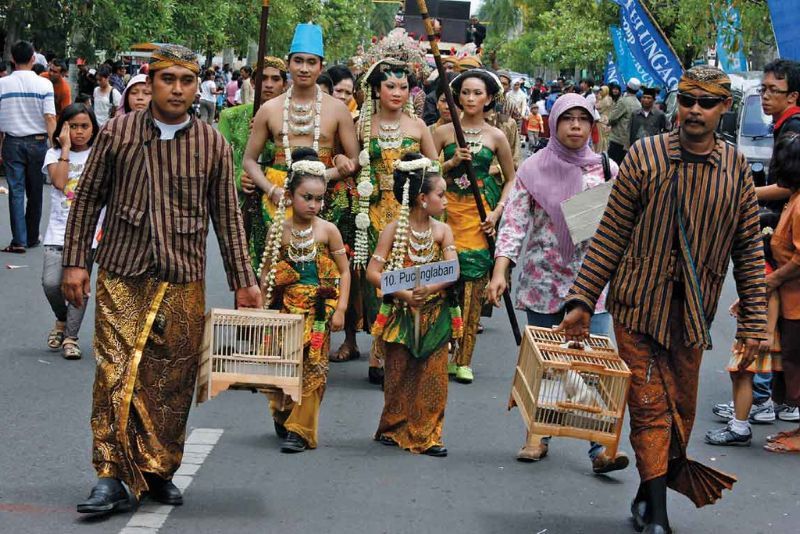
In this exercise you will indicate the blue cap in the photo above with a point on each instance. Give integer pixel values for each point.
(307, 40)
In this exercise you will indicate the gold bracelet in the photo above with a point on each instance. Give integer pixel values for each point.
(448, 248)
(339, 252)
(379, 259)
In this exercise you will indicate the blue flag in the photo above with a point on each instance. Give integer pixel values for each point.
(612, 74)
(730, 46)
(785, 22)
(650, 46)
(628, 66)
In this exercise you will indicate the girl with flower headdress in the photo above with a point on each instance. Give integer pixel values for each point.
(475, 92)
(415, 383)
(305, 271)
(388, 130)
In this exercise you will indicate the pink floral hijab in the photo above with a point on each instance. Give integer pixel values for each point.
(555, 173)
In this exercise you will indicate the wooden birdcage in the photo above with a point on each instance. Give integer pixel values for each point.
(573, 391)
(251, 349)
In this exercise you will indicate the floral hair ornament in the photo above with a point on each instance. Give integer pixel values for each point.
(413, 165)
(364, 185)
(397, 258)
(314, 168)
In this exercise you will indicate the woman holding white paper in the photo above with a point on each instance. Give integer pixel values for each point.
(551, 260)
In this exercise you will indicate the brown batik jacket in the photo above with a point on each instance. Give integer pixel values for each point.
(159, 196)
(632, 247)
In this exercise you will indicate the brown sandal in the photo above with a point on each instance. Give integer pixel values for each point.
(70, 349)
(56, 337)
(345, 353)
(781, 435)
(784, 445)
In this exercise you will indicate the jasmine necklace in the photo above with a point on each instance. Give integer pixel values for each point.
(287, 102)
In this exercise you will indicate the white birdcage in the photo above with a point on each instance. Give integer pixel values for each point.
(572, 391)
(251, 349)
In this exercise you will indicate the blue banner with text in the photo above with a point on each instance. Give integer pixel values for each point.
(649, 47)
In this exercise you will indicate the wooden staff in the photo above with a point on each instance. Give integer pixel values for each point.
(462, 142)
(262, 51)
(252, 204)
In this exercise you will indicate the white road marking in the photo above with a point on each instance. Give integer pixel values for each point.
(150, 516)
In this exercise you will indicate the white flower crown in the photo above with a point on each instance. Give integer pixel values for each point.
(413, 165)
(315, 168)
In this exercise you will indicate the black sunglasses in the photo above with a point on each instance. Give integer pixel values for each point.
(706, 102)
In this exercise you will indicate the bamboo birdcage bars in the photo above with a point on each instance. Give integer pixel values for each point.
(563, 390)
(251, 349)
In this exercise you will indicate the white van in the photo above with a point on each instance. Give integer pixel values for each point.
(746, 125)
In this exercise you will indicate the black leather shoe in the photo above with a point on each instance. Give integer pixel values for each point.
(386, 440)
(108, 496)
(375, 375)
(280, 430)
(655, 528)
(163, 491)
(639, 514)
(293, 443)
(436, 451)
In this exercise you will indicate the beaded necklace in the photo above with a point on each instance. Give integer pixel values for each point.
(304, 117)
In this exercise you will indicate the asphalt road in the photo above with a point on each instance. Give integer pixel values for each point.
(350, 484)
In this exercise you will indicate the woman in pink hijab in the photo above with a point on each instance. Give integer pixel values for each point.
(551, 260)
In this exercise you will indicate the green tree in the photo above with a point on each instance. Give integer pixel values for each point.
(201, 24)
(345, 24)
(574, 33)
(381, 19)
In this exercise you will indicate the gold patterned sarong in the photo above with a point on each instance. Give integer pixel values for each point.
(471, 302)
(147, 343)
(297, 287)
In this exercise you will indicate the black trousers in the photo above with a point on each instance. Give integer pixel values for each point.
(616, 152)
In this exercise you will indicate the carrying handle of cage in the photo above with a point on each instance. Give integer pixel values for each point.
(576, 345)
(577, 406)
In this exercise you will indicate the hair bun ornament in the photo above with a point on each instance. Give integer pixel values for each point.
(412, 165)
(767, 230)
(435, 167)
(315, 168)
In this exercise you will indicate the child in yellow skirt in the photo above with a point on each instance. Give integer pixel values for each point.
(737, 432)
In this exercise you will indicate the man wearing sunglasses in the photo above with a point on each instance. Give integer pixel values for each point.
(683, 206)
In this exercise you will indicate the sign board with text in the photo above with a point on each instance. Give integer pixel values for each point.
(439, 272)
(583, 212)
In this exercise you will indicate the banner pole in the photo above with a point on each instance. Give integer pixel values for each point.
(660, 31)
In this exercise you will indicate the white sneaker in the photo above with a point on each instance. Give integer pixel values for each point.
(787, 413)
(763, 413)
(723, 410)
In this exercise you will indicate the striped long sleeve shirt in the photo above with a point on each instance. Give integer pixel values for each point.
(658, 191)
(159, 196)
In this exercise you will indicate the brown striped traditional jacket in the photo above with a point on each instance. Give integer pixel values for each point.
(632, 247)
(159, 196)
